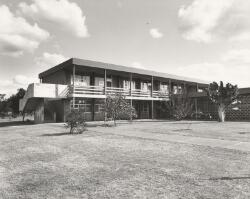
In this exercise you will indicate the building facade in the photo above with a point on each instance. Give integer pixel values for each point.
(85, 84)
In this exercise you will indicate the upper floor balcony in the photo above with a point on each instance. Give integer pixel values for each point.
(101, 92)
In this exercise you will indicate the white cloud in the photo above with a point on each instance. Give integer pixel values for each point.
(155, 33)
(10, 87)
(211, 20)
(137, 65)
(50, 59)
(233, 67)
(24, 80)
(63, 13)
(17, 35)
(237, 56)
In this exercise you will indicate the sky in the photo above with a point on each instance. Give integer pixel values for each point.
(205, 39)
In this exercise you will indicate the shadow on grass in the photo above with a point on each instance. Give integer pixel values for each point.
(15, 123)
(182, 130)
(230, 178)
(60, 134)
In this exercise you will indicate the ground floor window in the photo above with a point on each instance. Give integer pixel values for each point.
(85, 105)
(99, 108)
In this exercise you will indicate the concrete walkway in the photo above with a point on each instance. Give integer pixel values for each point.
(227, 144)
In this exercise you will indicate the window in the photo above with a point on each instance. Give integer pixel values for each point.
(164, 88)
(145, 107)
(99, 81)
(99, 108)
(145, 86)
(81, 80)
(126, 84)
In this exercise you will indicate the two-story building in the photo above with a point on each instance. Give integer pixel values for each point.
(85, 84)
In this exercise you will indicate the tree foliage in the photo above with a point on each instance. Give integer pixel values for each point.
(223, 96)
(11, 104)
(182, 106)
(117, 107)
(178, 106)
(13, 100)
(75, 121)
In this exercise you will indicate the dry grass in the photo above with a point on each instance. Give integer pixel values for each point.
(43, 161)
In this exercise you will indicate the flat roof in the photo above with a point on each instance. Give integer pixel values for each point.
(102, 65)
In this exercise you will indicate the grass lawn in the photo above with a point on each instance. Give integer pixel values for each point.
(43, 161)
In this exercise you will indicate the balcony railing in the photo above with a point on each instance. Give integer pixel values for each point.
(97, 90)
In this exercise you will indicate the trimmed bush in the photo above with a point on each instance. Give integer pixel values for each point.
(75, 121)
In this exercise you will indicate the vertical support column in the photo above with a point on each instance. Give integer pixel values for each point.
(152, 86)
(131, 102)
(41, 80)
(39, 112)
(152, 111)
(152, 89)
(74, 73)
(170, 89)
(196, 108)
(105, 81)
(184, 88)
(197, 88)
(130, 84)
(93, 109)
(105, 88)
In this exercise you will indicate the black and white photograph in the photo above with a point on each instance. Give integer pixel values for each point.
(120, 99)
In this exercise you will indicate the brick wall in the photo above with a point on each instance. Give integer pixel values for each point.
(240, 111)
(236, 112)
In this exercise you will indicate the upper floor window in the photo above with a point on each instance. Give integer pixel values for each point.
(81, 80)
(126, 84)
(164, 87)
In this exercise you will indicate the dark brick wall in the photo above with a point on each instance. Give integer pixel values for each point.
(236, 112)
(243, 111)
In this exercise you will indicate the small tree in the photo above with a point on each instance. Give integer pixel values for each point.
(181, 106)
(75, 120)
(116, 107)
(13, 100)
(178, 106)
(222, 96)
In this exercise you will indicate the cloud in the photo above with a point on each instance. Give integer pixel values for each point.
(155, 33)
(50, 59)
(62, 13)
(10, 87)
(24, 80)
(237, 56)
(17, 35)
(232, 67)
(210, 20)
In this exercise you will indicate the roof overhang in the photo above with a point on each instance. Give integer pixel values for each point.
(101, 65)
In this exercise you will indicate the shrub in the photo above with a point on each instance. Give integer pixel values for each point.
(179, 106)
(117, 107)
(75, 120)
